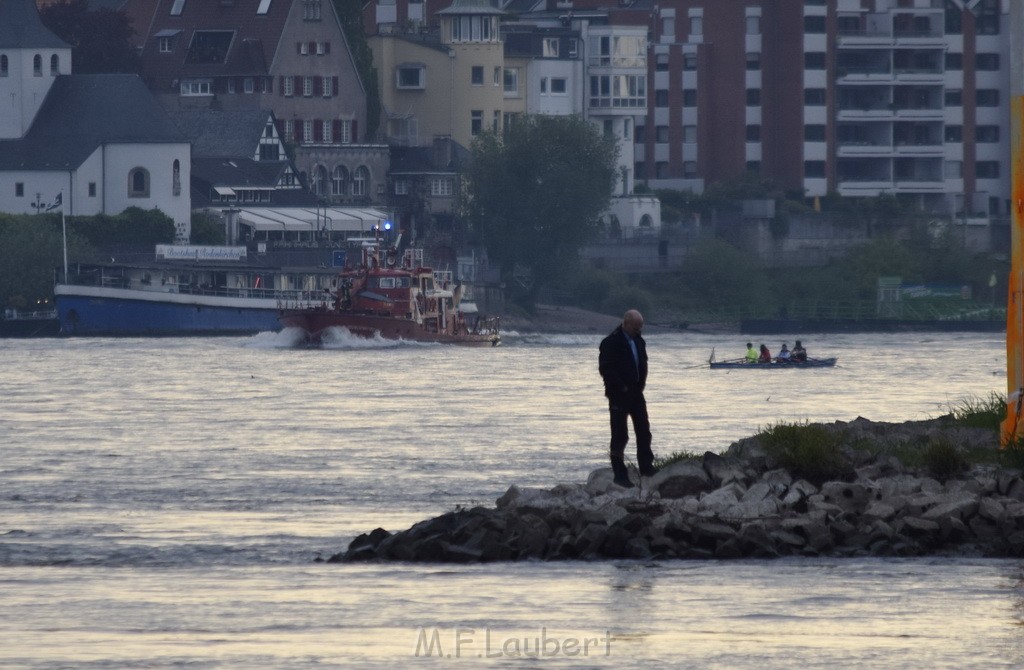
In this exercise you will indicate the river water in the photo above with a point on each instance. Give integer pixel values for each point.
(163, 503)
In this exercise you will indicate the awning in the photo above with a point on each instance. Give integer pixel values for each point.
(224, 190)
(302, 219)
(167, 33)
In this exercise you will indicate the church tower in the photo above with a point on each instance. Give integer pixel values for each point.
(31, 58)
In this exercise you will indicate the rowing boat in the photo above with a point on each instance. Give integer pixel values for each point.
(775, 364)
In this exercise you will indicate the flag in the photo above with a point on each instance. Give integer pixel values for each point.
(56, 203)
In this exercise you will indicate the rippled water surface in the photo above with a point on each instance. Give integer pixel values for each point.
(162, 502)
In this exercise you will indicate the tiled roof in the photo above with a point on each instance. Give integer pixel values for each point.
(21, 27)
(220, 133)
(83, 112)
(253, 44)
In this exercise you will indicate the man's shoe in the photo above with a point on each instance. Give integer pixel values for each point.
(623, 482)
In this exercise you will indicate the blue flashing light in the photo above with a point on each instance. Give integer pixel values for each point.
(387, 225)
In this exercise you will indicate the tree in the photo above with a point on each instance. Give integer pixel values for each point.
(534, 195)
(350, 14)
(31, 249)
(101, 39)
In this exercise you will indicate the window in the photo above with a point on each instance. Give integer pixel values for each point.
(55, 64)
(618, 91)
(307, 87)
(987, 134)
(753, 167)
(92, 189)
(549, 47)
(753, 97)
(814, 133)
(319, 185)
(954, 133)
(814, 24)
(165, 44)
(264, 7)
(753, 60)
(409, 76)
(176, 177)
(988, 97)
(37, 65)
(325, 131)
(344, 131)
(814, 97)
(953, 169)
(690, 169)
(689, 61)
(954, 61)
(986, 61)
(814, 60)
(496, 120)
(477, 75)
(661, 134)
(954, 97)
(441, 187)
(302, 48)
(4, 65)
(310, 10)
(696, 25)
(753, 133)
(987, 169)
(543, 85)
(814, 169)
(191, 87)
(321, 48)
(288, 87)
(689, 134)
(574, 47)
(690, 97)
(753, 25)
(307, 132)
(359, 181)
(138, 183)
(558, 86)
(661, 62)
(19, 190)
(248, 85)
(209, 47)
(471, 29)
(661, 98)
(231, 85)
(476, 122)
(619, 51)
(401, 187)
(511, 79)
(339, 179)
(177, 7)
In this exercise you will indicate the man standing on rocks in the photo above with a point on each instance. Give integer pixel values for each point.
(623, 367)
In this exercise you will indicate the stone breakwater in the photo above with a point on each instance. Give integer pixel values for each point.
(740, 504)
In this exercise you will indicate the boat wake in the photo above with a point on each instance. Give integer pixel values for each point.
(289, 338)
(339, 337)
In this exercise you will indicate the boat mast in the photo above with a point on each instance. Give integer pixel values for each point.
(1012, 426)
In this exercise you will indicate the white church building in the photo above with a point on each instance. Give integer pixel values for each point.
(101, 142)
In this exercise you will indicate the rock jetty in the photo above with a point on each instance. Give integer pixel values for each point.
(742, 504)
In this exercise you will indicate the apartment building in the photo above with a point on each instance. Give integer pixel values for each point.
(858, 97)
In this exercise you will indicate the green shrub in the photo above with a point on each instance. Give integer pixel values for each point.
(943, 459)
(975, 412)
(677, 456)
(806, 450)
(627, 297)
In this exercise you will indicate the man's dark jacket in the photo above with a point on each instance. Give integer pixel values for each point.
(615, 363)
